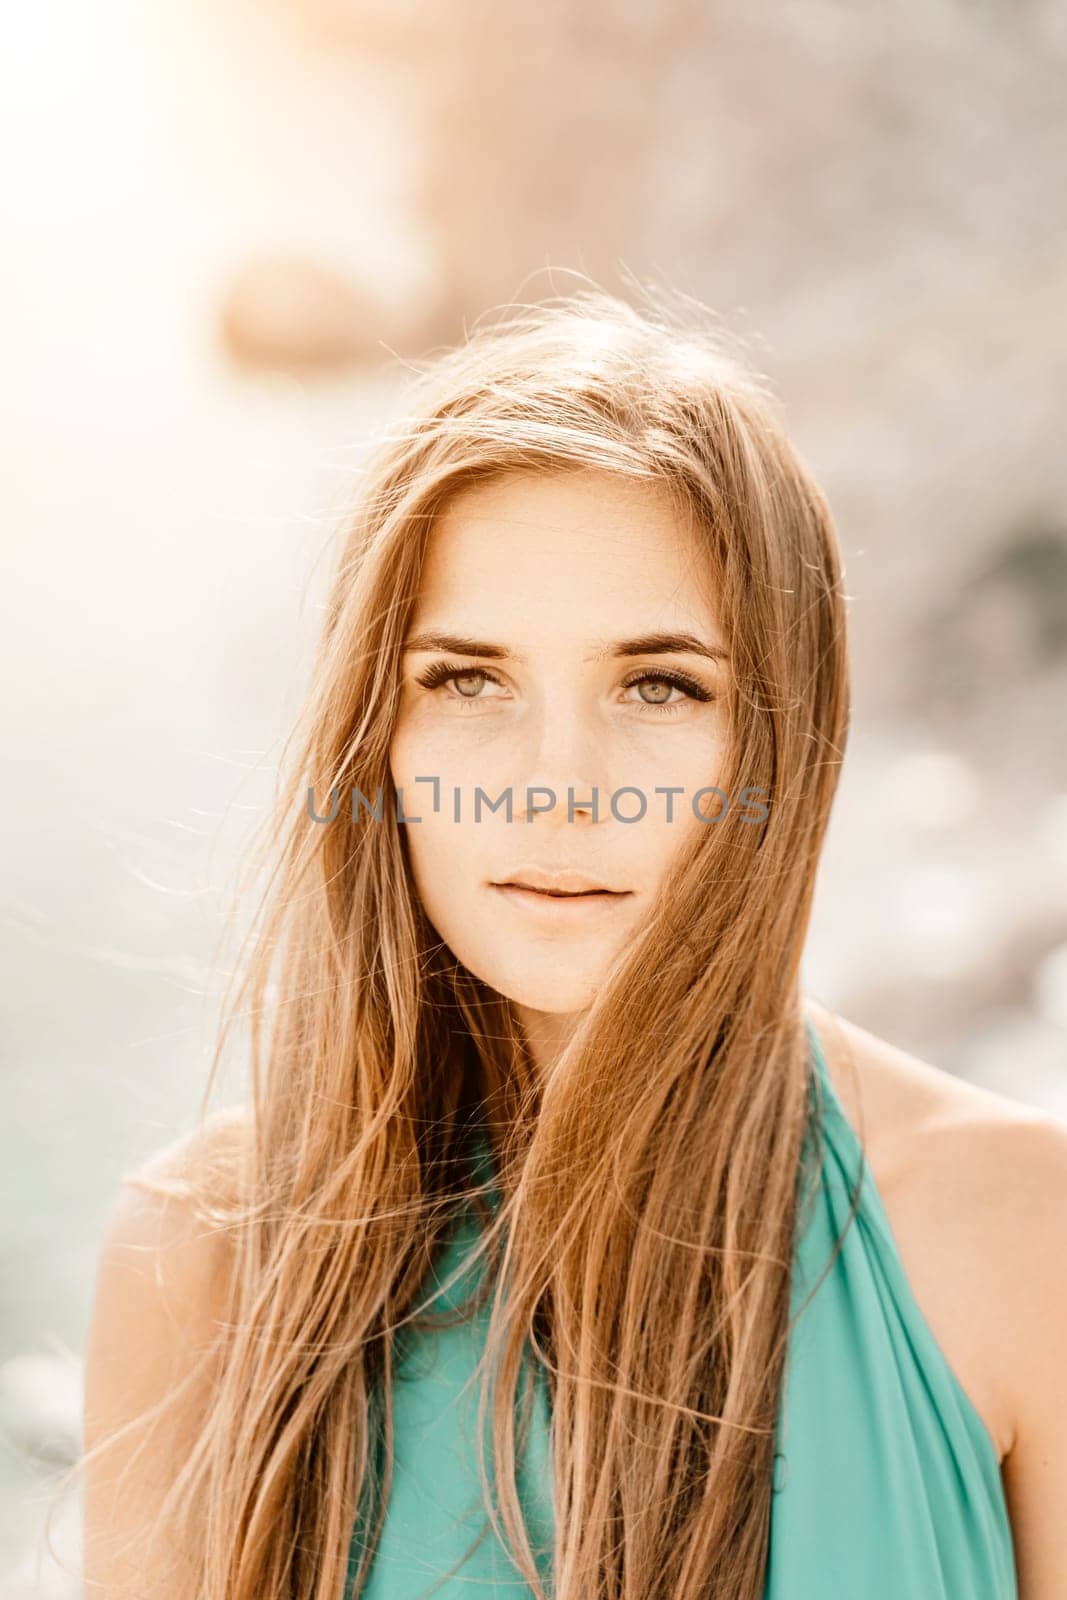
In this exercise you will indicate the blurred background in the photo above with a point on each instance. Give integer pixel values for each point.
(227, 226)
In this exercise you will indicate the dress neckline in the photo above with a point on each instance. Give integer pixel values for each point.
(849, 1155)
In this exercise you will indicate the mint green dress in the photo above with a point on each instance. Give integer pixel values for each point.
(886, 1481)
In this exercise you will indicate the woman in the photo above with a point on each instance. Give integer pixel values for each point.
(548, 1170)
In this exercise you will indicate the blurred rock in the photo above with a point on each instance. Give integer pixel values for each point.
(292, 313)
(1052, 832)
(1005, 619)
(1033, 565)
(934, 788)
(1050, 987)
(1019, 1055)
(40, 1406)
(41, 1416)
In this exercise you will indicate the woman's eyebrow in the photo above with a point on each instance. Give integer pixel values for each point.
(646, 644)
(459, 644)
(665, 644)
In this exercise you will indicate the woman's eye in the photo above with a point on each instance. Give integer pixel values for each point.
(465, 683)
(664, 684)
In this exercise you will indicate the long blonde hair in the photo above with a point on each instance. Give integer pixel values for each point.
(649, 1184)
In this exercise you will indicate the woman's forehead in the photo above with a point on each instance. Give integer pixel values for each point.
(564, 540)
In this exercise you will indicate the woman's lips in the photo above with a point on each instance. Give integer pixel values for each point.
(561, 907)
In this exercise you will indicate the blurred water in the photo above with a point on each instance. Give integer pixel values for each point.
(163, 520)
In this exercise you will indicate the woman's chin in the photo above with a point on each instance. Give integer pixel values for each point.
(556, 994)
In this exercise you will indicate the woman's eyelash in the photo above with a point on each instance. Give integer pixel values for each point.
(441, 672)
(679, 680)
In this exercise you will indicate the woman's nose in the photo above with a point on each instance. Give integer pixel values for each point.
(562, 770)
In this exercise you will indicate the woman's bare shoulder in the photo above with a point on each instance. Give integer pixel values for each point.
(163, 1295)
(893, 1095)
(959, 1145)
(166, 1248)
(212, 1148)
(167, 1232)
(975, 1187)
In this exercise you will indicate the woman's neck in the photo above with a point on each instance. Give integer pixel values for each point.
(547, 1034)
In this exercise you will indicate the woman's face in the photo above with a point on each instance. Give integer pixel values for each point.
(551, 584)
